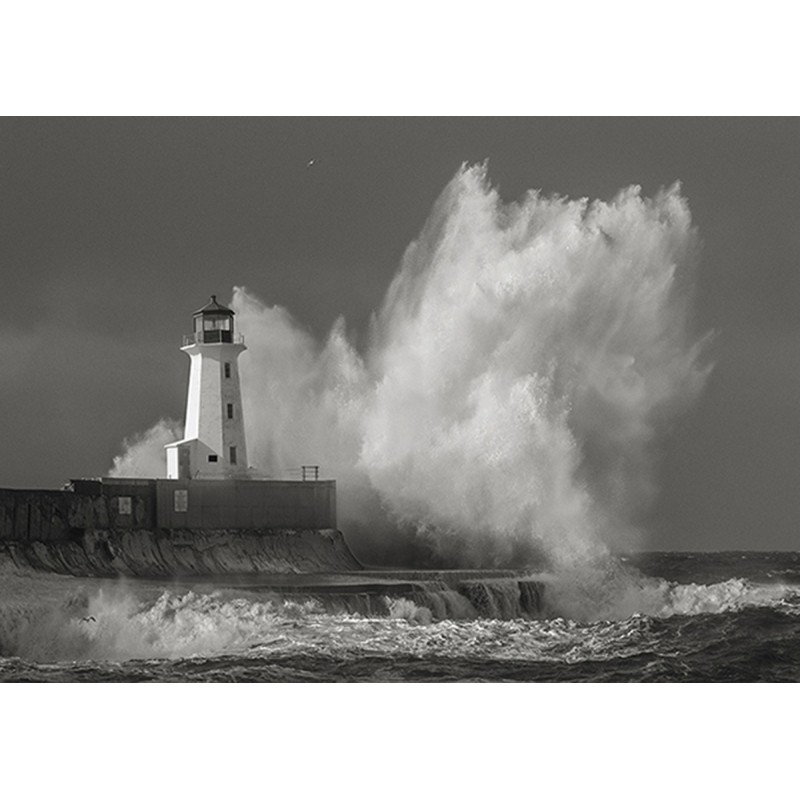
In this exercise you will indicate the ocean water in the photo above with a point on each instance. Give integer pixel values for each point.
(649, 617)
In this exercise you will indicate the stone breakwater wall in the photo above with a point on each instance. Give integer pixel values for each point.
(79, 533)
(176, 553)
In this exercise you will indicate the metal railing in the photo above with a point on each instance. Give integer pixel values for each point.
(304, 473)
(212, 337)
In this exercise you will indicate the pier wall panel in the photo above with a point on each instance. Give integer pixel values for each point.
(29, 515)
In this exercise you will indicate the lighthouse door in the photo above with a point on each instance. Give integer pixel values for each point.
(184, 465)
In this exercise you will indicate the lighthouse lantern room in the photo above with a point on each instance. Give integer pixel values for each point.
(213, 445)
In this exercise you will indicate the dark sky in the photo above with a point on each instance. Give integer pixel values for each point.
(113, 230)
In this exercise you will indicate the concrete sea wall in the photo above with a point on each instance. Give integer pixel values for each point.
(118, 528)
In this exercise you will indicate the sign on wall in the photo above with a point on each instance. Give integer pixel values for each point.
(181, 497)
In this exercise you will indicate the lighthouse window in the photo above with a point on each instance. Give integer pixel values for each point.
(227, 369)
(233, 455)
(230, 410)
(212, 324)
(124, 505)
(212, 459)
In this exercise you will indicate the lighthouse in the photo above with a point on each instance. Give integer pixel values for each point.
(213, 446)
(241, 522)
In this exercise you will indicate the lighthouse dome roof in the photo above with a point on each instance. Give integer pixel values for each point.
(214, 307)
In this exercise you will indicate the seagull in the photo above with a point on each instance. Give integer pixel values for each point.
(88, 619)
(312, 162)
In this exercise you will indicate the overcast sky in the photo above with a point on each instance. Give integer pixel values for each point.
(113, 230)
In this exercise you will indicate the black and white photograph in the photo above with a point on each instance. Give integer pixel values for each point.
(400, 399)
(427, 376)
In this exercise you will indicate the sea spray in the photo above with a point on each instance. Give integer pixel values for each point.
(143, 455)
(524, 362)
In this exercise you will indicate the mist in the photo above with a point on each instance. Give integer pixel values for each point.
(143, 454)
(526, 361)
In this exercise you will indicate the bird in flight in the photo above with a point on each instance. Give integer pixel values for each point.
(312, 162)
(88, 619)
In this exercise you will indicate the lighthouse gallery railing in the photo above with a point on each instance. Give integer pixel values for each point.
(212, 337)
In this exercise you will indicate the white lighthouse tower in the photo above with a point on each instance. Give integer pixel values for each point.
(213, 445)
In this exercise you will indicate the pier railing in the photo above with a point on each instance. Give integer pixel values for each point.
(304, 473)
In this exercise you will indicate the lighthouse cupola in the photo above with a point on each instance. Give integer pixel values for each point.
(213, 445)
(213, 323)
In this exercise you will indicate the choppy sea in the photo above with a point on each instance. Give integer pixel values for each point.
(647, 617)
